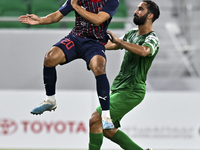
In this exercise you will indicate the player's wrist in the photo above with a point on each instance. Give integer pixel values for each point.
(39, 20)
(74, 4)
(117, 41)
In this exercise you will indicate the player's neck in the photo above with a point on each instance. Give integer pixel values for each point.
(144, 29)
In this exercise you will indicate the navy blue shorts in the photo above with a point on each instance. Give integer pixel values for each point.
(80, 48)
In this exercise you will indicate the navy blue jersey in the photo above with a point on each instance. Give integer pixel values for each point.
(82, 27)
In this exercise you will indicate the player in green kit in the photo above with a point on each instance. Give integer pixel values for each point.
(128, 89)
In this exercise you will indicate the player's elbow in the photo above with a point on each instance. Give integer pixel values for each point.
(97, 22)
(56, 16)
(100, 18)
(145, 52)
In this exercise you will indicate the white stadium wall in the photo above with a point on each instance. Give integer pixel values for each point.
(164, 120)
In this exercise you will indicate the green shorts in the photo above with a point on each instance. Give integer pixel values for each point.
(121, 102)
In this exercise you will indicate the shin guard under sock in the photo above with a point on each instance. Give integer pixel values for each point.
(50, 77)
(103, 90)
(96, 140)
(124, 141)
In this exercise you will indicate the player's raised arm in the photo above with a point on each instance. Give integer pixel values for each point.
(96, 19)
(140, 50)
(33, 19)
(119, 43)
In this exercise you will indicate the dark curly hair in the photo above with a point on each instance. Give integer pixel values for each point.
(153, 8)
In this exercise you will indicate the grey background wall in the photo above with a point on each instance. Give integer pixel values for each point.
(22, 53)
(21, 59)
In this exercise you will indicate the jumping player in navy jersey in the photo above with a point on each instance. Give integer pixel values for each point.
(85, 41)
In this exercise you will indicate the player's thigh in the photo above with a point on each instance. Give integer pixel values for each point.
(69, 48)
(121, 102)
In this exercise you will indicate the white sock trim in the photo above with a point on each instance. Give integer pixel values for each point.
(106, 113)
(51, 98)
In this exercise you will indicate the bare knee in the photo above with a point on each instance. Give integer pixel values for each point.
(99, 70)
(49, 61)
(54, 57)
(98, 65)
(96, 123)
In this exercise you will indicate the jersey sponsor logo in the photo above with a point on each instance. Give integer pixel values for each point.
(103, 98)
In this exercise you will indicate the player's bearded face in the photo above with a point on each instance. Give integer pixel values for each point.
(140, 20)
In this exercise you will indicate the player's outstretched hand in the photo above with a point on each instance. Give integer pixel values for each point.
(29, 19)
(112, 36)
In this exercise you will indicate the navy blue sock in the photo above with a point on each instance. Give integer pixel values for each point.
(103, 91)
(50, 77)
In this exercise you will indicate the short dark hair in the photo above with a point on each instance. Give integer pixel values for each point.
(153, 8)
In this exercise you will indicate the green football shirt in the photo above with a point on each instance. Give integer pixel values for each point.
(134, 68)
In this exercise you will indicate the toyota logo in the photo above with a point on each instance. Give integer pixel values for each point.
(7, 126)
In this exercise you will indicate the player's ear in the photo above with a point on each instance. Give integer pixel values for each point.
(150, 16)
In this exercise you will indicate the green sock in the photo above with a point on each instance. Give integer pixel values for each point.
(124, 141)
(96, 141)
